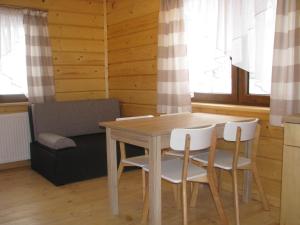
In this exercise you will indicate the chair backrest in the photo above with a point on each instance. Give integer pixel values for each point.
(134, 117)
(200, 138)
(247, 130)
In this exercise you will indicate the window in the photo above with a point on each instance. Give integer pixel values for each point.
(239, 92)
(13, 79)
(230, 59)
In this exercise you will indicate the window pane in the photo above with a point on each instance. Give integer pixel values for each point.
(13, 71)
(259, 85)
(13, 79)
(209, 66)
(260, 80)
(216, 80)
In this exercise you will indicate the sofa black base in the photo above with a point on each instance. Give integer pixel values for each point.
(86, 161)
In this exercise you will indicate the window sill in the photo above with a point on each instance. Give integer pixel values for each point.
(230, 109)
(13, 104)
(13, 107)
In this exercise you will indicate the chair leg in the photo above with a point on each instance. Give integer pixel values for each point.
(146, 202)
(191, 186)
(236, 197)
(194, 195)
(184, 203)
(120, 170)
(177, 194)
(260, 187)
(218, 202)
(219, 173)
(144, 183)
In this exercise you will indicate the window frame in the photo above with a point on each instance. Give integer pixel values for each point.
(245, 98)
(13, 98)
(220, 98)
(239, 92)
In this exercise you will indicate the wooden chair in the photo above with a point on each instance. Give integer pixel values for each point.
(181, 171)
(136, 161)
(176, 153)
(237, 132)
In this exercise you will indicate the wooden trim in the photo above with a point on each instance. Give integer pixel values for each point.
(256, 111)
(12, 104)
(13, 165)
(15, 107)
(20, 7)
(237, 108)
(105, 49)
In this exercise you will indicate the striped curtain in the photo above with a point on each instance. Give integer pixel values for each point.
(38, 57)
(173, 79)
(285, 91)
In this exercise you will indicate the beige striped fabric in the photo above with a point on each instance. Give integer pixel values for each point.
(38, 57)
(173, 79)
(285, 92)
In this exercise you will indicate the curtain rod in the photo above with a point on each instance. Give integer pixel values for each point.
(21, 7)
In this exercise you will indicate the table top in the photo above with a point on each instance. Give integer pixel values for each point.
(161, 125)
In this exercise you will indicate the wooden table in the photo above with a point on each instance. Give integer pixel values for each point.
(154, 134)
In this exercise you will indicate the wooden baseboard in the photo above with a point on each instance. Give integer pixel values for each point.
(13, 165)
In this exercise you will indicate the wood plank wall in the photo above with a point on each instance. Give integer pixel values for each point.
(132, 45)
(76, 33)
(132, 41)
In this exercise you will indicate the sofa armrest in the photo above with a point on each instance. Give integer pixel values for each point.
(55, 141)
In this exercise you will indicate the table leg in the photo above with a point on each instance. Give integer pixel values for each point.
(247, 189)
(112, 172)
(155, 181)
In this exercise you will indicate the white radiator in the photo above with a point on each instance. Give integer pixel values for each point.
(14, 137)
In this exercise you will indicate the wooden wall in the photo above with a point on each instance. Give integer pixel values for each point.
(132, 45)
(132, 41)
(76, 33)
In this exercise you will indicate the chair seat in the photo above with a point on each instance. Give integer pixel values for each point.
(138, 161)
(223, 159)
(141, 161)
(171, 170)
(181, 153)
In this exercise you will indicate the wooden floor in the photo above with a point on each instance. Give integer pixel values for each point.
(26, 198)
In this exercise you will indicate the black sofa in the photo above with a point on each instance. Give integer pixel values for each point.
(77, 120)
